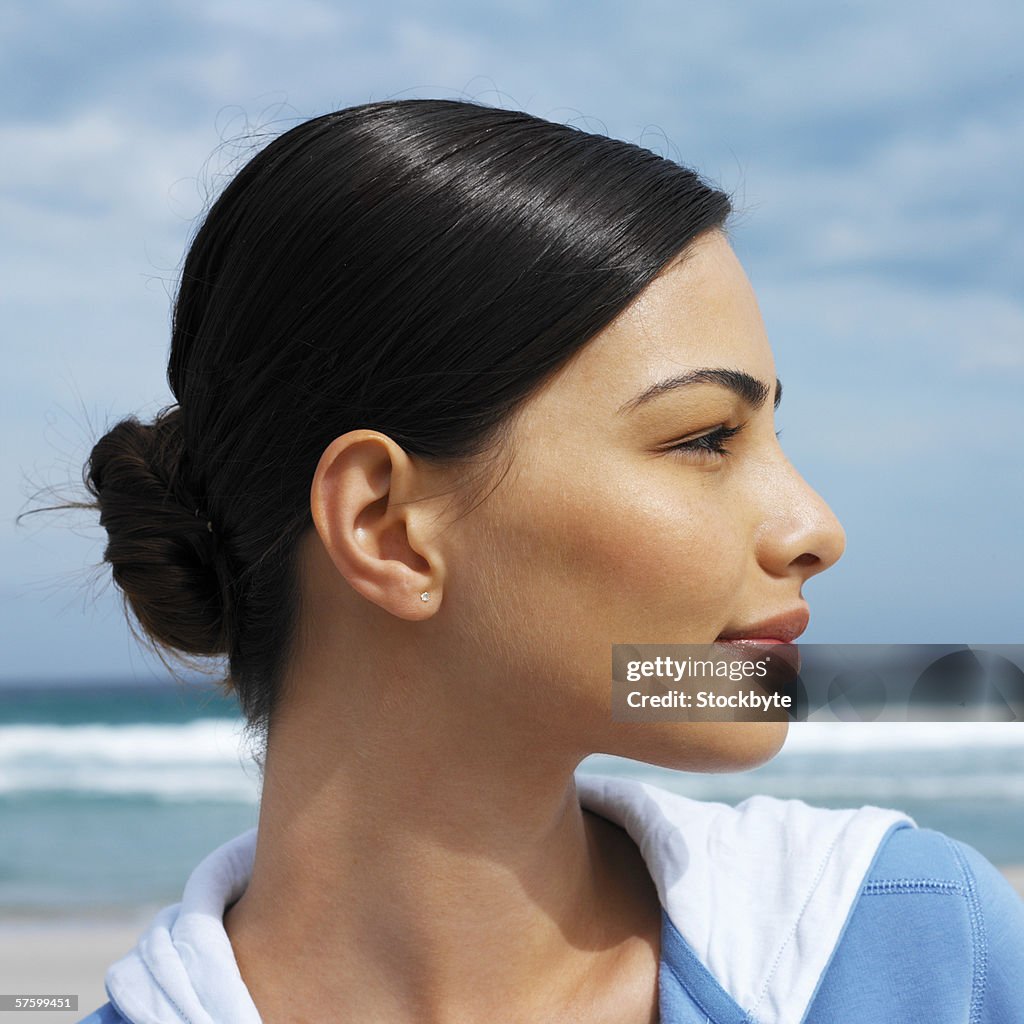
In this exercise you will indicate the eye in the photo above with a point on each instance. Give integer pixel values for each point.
(710, 446)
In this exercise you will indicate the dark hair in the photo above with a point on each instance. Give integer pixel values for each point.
(418, 267)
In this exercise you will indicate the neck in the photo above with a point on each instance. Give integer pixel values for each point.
(404, 876)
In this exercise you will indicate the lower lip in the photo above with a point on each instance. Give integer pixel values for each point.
(790, 654)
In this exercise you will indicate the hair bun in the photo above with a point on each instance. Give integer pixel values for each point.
(161, 548)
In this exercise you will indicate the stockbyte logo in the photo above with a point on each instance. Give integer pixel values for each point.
(818, 682)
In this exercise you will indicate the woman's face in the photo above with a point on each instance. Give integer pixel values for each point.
(601, 533)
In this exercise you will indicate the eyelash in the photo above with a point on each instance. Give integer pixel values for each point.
(711, 445)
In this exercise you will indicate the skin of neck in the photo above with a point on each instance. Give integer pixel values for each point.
(422, 855)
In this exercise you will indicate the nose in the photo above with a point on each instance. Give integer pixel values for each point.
(799, 534)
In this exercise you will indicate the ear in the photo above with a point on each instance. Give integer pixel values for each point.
(364, 500)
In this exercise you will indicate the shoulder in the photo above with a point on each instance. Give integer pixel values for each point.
(923, 859)
(936, 925)
(106, 1014)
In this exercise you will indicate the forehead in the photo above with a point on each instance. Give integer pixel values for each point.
(700, 311)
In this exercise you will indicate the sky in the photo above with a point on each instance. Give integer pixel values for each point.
(874, 152)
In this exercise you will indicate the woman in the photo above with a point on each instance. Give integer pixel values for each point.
(463, 398)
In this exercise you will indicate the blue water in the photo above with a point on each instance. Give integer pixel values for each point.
(110, 795)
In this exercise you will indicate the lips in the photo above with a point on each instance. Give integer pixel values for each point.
(778, 633)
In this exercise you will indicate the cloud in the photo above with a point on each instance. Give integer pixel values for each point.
(871, 319)
(305, 20)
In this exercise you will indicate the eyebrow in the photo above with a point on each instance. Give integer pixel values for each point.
(751, 390)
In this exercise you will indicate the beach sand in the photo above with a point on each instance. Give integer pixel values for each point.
(1015, 876)
(61, 958)
(71, 958)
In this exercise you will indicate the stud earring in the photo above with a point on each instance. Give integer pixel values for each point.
(425, 596)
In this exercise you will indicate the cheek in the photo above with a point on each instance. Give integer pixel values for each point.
(604, 560)
(673, 552)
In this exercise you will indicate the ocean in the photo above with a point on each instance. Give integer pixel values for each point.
(111, 794)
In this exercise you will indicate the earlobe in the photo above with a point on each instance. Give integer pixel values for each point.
(362, 500)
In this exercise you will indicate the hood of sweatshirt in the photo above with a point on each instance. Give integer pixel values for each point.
(760, 892)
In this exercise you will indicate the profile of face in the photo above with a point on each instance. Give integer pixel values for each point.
(633, 521)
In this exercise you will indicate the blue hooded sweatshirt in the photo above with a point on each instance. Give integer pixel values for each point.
(773, 912)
